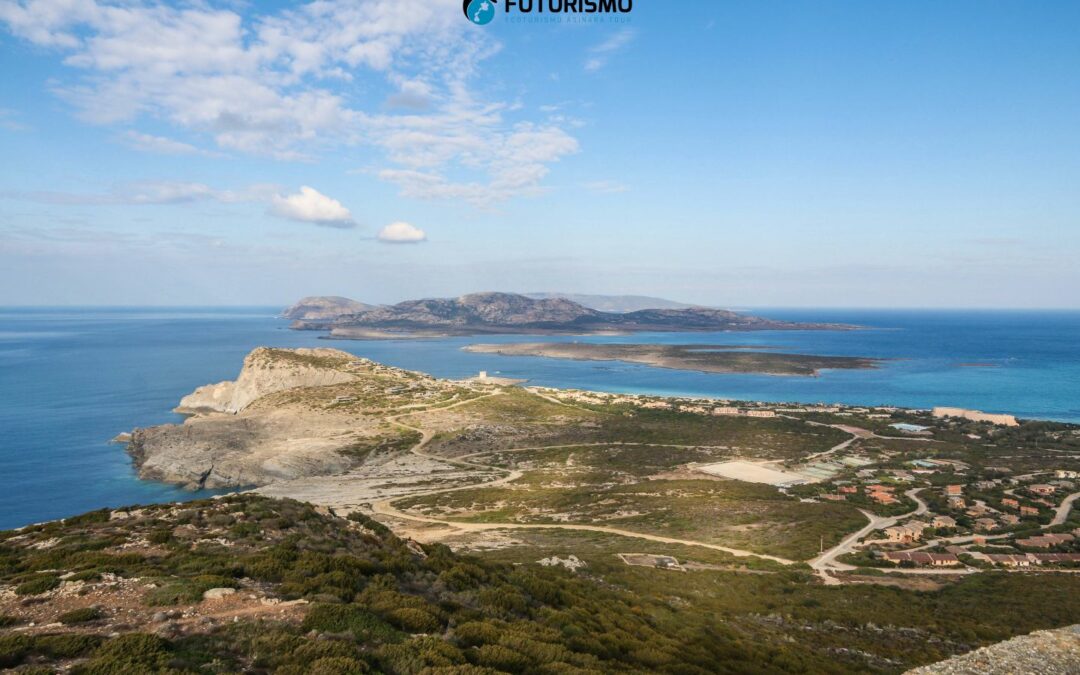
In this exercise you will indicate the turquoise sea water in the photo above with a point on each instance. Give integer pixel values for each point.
(71, 379)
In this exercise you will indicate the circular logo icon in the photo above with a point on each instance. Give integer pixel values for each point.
(480, 12)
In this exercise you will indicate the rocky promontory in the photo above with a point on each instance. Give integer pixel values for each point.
(266, 371)
(291, 413)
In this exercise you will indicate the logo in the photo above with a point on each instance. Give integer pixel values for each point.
(480, 12)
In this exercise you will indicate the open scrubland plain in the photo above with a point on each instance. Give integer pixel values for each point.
(403, 524)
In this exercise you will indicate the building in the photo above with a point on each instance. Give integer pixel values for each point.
(725, 411)
(906, 533)
(985, 524)
(943, 521)
(1041, 558)
(1064, 473)
(1010, 519)
(920, 558)
(954, 490)
(1044, 490)
(1028, 511)
(1010, 502)
(848, 489)
(1009, 559)
(760, 413)
(957, 502)
(883, 498)
(976, 416)
(1045, 540)
(910, 428)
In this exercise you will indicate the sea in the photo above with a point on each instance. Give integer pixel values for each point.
(71, 379)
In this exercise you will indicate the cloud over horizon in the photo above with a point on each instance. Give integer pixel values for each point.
(311, 206)
(401, 233)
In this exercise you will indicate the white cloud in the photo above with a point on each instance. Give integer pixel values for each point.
(308, 205)
(272, 83)
(401, 233)
(160, 145)
(311, 206)
(8, 121)
(600, 54)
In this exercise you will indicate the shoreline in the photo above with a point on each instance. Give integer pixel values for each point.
(716, 359)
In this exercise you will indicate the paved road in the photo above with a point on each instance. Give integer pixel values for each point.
(1063, 510)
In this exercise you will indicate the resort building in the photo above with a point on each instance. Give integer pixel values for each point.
(920, 558)
(976, 416)
(943, 521)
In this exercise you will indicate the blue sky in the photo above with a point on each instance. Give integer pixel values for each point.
(735, 154)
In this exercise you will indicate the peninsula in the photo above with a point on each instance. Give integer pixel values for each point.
(401, 523)
(704, 358)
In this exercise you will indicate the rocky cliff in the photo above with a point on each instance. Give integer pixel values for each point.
(266, 371)
(292, 413)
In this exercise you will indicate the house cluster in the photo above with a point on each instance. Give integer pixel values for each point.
(882, 494)
(1046, 540)
(1028, 559)
(699, 406)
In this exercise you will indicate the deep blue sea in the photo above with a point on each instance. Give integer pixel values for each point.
(71, 379)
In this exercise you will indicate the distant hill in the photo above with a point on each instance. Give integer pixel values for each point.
(480, 313)
(614, 303)
(323, 308)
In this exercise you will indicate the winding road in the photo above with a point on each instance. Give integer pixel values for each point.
(827, 561)
(386, 507)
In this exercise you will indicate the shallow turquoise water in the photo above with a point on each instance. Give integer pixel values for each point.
(71, 379)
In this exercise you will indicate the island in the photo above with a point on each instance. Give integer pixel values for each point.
(511, 313)
(702, 357)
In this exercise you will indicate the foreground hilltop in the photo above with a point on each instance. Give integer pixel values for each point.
(480, 313)
(248, 584)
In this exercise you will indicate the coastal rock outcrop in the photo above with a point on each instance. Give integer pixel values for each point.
(292, 413)
(267, 371)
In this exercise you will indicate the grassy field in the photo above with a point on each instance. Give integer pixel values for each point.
(605, 487)
(521, 418)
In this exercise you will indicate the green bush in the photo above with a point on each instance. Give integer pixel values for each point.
(66, 645)
(161, 535)
(99, 516)
(362, 624)
(81, 615)
(413, 620)
(13, 649)
(337, 665)
(38, 585)
(499, 657)
(131, 653)
(475, 633)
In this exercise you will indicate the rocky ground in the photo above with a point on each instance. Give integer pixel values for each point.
(1044, 652)
(290, 414)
